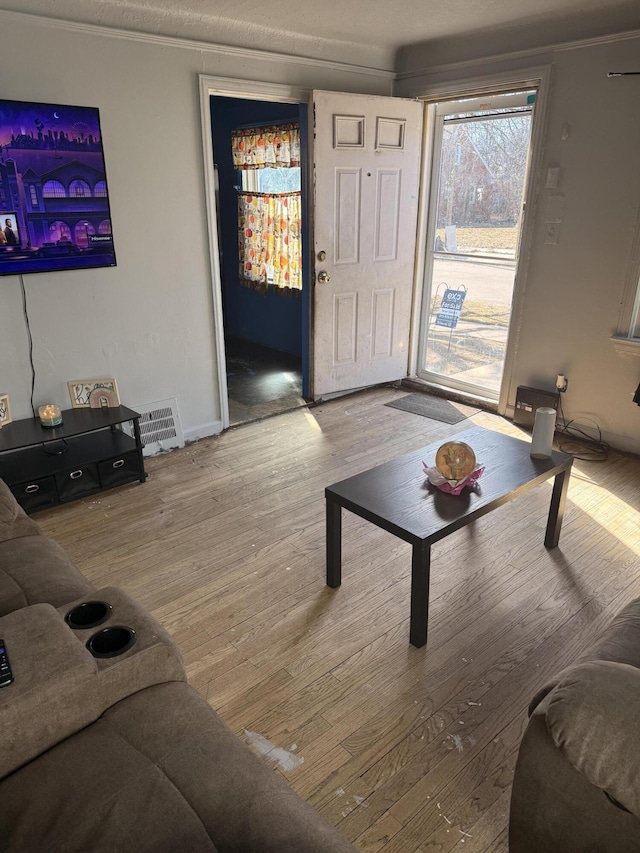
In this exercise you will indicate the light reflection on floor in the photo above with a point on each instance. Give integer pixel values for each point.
(261, 381)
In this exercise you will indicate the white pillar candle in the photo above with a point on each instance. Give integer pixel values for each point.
(543, 430)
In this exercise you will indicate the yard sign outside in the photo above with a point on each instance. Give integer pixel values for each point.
(450, 308)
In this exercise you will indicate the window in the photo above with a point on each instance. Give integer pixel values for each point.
(59, 231)
(34, 195)
(627, 337)
(79, 189)
(634, 331)
(83, 231)
(54, 189)
(100, 189)
(479, 170)
(269, 207)
(271, 180)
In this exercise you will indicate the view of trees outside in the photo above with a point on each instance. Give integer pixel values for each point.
(482, 171)
(270, 180)
(480, 192)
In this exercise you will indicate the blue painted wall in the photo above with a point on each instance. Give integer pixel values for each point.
(280, 322)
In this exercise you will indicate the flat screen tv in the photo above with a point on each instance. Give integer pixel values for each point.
(54, 204)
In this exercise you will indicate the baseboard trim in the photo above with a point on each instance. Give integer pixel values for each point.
(624, 443)
(202, 431)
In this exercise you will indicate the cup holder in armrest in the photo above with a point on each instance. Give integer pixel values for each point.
(88, 614)
(111, 641)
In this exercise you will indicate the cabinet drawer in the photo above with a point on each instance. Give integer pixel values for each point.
(121, 469)
(37, 494)
(74, 484)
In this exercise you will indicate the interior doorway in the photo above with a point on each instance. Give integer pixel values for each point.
(266, 327)
(360, 301)
(481, 155)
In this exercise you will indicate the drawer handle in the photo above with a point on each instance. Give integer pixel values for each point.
(75, 475)
(119, 463)
(32, 488)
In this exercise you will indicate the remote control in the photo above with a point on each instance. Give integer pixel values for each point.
(6, 676)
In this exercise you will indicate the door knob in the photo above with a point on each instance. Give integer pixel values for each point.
(324, 277)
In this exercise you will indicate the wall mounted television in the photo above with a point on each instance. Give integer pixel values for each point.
(54, 204)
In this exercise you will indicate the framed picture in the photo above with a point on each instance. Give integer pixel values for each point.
(93, 393)
(5, 411)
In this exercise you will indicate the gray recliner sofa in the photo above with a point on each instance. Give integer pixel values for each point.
(108, 748)
(577, 781)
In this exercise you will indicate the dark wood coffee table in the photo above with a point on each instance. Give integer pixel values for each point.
(397, 497)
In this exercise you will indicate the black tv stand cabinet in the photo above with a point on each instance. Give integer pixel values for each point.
(88, 453)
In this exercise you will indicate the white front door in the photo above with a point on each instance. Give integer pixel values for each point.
(367, 176)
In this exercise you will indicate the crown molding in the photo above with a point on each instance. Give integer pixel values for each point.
(517, 54)
(240, 53)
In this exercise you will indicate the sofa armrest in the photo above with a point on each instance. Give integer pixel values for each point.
(159, 772)
(618, 642)
(60, 687)
(50, 667)
(14, 522)
(554, 809)
(592, 717)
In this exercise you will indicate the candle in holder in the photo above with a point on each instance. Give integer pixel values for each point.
(50, 415)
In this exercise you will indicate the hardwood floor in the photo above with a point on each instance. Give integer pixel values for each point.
(406, 750)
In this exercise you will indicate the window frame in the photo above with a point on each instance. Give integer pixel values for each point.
(54, 183)
(250, 179)
(626, 340)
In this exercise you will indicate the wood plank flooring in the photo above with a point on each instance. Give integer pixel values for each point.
(405, 750)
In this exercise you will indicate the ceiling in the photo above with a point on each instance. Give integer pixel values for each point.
(388, 34)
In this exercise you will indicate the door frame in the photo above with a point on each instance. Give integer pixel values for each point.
(254, 90)
(540, 78)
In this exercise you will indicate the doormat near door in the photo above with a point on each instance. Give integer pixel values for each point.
(435, 408)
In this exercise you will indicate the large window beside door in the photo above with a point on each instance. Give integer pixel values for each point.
(479, 170)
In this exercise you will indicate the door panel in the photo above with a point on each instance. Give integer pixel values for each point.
(387, 215)
(382, 323)
(346, 237)
(345, 312)
(367, 170)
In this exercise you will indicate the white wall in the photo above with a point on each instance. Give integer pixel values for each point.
(574, 290)
(148, 322)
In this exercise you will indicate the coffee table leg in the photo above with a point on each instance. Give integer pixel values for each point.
(556, 510)
(420, 571)
(334, 543)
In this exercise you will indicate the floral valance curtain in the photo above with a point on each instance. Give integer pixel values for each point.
(269, 241)
(261, 147)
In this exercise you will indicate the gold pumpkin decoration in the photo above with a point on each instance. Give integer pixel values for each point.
(455, 460)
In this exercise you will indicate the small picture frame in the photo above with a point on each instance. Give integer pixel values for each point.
(93, 393)
(5, 411)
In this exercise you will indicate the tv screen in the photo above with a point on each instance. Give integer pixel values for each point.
(54, 204)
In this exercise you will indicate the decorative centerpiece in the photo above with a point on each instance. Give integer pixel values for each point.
(455, 468)
(50, 415)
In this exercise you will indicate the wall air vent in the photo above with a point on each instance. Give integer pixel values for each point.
(160, 427)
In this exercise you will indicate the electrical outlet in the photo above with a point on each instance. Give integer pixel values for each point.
(551, 233)
(561, 383)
